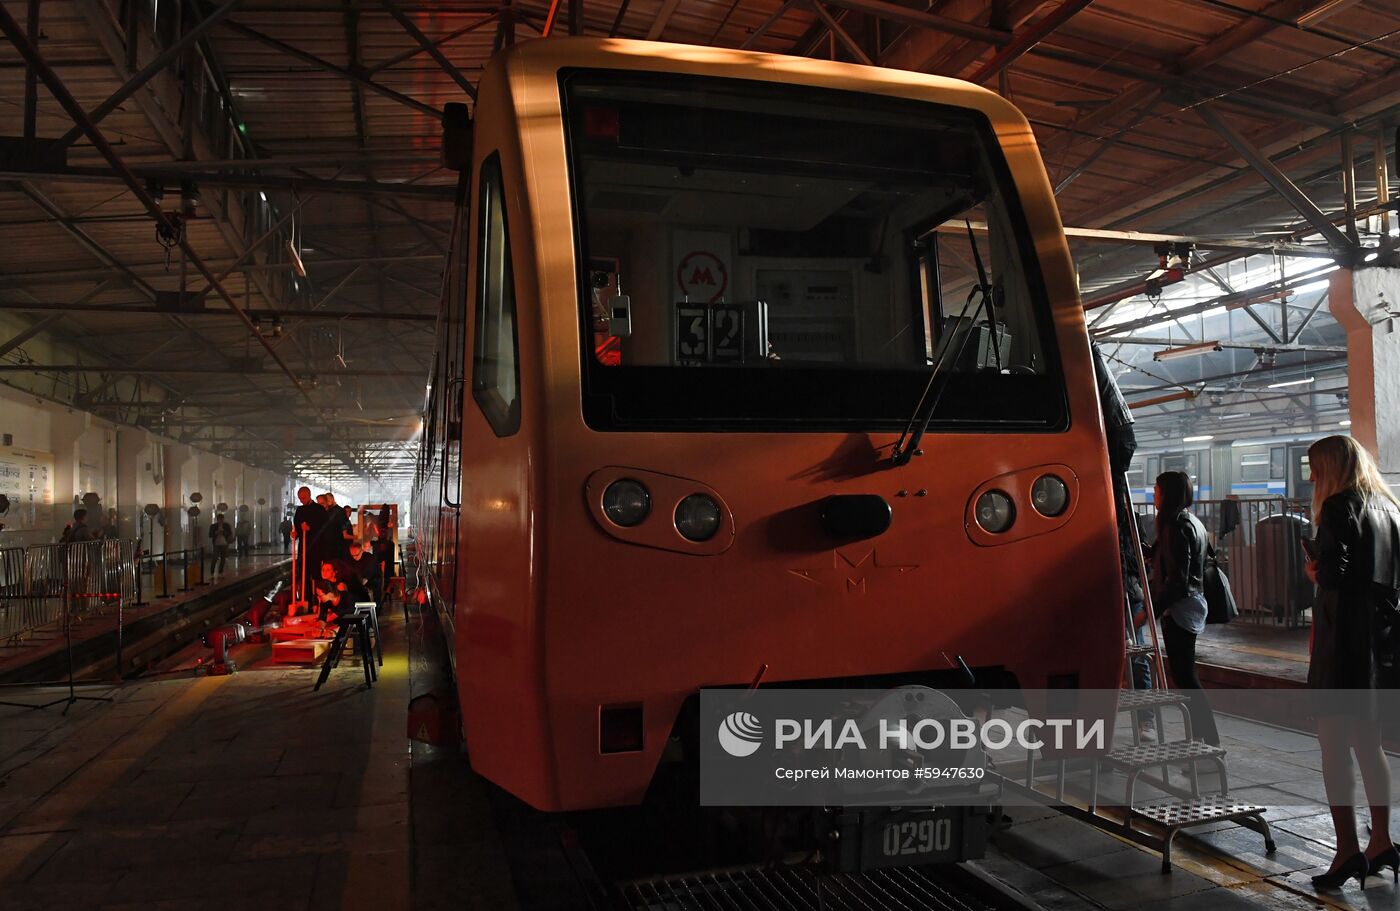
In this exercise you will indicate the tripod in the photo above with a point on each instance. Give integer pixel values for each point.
(72, 698)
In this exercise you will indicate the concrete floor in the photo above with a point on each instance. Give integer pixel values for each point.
(244, 791)
(251, 791)
(1064, 863)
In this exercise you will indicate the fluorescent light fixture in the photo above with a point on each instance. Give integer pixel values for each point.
(1303, 382)
(1200, 438)
(262, 196)
(1346, 423)
(1237, 414)
(1167, 354)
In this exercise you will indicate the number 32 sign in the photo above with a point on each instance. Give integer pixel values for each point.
(709, 333)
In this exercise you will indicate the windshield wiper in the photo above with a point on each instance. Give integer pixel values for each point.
(907, 446)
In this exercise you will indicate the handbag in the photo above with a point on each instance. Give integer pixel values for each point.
(1220, 601)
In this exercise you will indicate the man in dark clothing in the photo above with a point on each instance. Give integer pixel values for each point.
(1117, 420)
(286, 529)
(339, 532)
(1122, 443)
(78, 531)
(220, 536)
(383, 542)
(309, 529)
(369, 569)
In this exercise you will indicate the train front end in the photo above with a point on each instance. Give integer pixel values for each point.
(732, 279)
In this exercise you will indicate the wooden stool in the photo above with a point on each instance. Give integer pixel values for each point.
(356, 625)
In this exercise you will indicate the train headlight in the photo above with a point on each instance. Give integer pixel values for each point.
(995, 512)
(1049, 496)
(626, 502)
(697, 517)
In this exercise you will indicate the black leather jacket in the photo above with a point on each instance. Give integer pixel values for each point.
(1356, 625)
(1358, 544)
(1179, 560)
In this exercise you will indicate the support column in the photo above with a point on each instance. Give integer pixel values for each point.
(1366, 302)
(66, 428)
(180, 480)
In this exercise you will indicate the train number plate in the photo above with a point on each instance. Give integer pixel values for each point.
(913, 838)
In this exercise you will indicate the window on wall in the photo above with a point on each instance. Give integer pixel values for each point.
(495, 367)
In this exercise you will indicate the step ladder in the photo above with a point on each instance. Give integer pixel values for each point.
(1156, 823)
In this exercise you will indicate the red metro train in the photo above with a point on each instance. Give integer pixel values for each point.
(694, 297)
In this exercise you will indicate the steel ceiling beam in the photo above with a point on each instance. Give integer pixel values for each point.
(172, 53)
(1278, 180)
(437, 42)
(197, 369)
(1024, 41)
(48, 321)
(352, 75)
(65, 98)
(841, 34)
(663, 19)
(893, 12)
(178, 174)
(430, 48)
(768, 23)
(55, 85)
(304, 314)
(140, 271)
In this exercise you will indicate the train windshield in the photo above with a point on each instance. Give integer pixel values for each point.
(762, 256)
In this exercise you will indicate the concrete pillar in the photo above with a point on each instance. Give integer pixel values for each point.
(181, 479)
(66, 428)
(134, 487)
(1366, 302)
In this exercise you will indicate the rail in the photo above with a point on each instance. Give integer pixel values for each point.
(1260, 543)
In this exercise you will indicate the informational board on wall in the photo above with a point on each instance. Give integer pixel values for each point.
(26, 478)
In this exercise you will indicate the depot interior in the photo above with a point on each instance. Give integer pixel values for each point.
(223, 230)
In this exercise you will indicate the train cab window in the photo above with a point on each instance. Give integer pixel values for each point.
(495, 363)
(763, 256)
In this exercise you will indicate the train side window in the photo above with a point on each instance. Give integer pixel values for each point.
(1278, 463)
(495, 366)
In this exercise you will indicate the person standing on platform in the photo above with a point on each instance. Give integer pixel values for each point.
(220, 536)
(1122, 444)
(339, 534)
(308, 528)
(78, 532)
(1355, 561)
(286, 529)
(1178, 592)
(243, 531)
(384, 542)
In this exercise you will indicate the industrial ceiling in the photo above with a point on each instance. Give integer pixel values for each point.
(150, 146)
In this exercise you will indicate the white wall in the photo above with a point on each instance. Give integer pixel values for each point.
(127, 468)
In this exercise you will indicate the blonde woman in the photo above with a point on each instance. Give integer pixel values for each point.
(1356, 565)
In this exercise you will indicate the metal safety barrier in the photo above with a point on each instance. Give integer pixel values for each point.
(20, 609)
(46, 585)
(169, 567)
(1260, 545)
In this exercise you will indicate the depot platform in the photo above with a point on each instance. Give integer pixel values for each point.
(169, 605)
(251, 790)
(241, 791)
